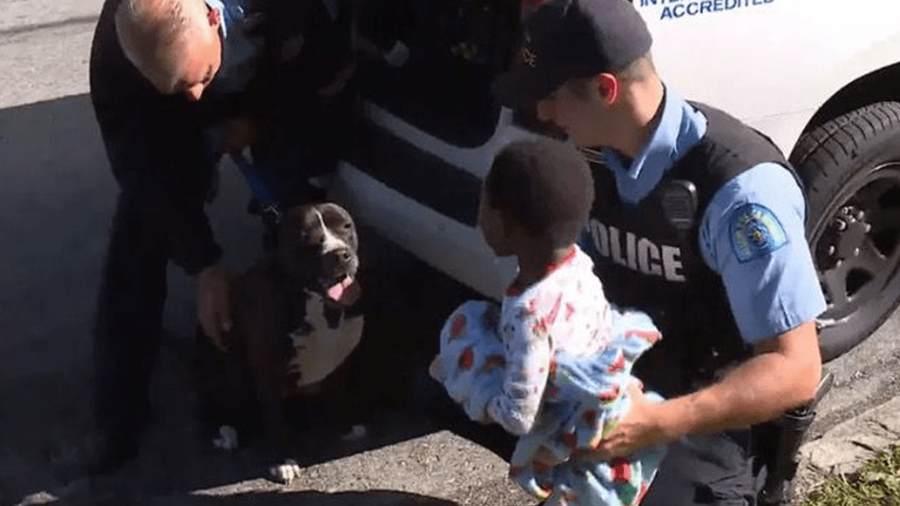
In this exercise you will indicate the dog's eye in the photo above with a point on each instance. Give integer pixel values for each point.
(348, 225)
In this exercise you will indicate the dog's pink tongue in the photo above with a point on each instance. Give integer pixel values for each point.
(346, 292)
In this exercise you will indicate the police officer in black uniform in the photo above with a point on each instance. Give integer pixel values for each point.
(698, 220)
(174, 83)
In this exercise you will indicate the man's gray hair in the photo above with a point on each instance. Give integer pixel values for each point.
(148, 31)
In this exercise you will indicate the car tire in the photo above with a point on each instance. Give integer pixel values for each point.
(851, 168)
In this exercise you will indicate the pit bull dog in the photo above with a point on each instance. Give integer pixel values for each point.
(296, 319)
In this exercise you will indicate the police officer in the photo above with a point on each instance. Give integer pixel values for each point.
(173, 84)
(698, 220)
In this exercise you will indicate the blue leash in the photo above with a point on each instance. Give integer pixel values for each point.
(267, 203)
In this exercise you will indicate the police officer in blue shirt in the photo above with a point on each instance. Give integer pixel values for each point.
(174, 83)
(698, 220)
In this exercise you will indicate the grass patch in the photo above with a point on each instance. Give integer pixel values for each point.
(877, 484)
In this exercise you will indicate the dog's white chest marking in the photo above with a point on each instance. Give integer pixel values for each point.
(318, 348)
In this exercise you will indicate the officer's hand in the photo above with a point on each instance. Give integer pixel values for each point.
(639, 428)
(213, 304)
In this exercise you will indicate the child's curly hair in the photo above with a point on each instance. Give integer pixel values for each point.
(545, 186)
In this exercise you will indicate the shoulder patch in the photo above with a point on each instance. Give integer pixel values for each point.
(755, 232)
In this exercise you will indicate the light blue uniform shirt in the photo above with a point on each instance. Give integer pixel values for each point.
(771, 288)
(240, 52)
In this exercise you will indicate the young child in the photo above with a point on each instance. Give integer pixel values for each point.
(553, 363)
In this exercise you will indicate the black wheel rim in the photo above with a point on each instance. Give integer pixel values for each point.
(856, 247)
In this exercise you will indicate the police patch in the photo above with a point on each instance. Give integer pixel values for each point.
(755, 232)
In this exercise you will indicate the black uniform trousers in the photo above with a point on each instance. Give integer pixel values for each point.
(128, 320)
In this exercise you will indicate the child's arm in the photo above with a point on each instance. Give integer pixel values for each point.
(527, 364)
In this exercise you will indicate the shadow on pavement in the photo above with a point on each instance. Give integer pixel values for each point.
(367, 498)
(56, 198)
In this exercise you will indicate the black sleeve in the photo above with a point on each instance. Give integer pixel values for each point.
(159, 157)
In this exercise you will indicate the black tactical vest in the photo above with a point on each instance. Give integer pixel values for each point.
(649, 255)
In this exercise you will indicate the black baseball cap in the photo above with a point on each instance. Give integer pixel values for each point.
(571, 39)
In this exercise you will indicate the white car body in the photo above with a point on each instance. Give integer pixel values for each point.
(771, 63)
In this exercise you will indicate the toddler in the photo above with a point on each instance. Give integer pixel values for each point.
(553, 362)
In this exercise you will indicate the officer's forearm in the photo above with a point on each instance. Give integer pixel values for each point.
(784, 374)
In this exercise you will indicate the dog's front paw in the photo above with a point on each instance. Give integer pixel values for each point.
(285, 473)
(228, 438)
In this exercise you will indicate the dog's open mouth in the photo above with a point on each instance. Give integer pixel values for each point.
(344, 292)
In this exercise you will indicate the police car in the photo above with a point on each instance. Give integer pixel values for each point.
(821, 78)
